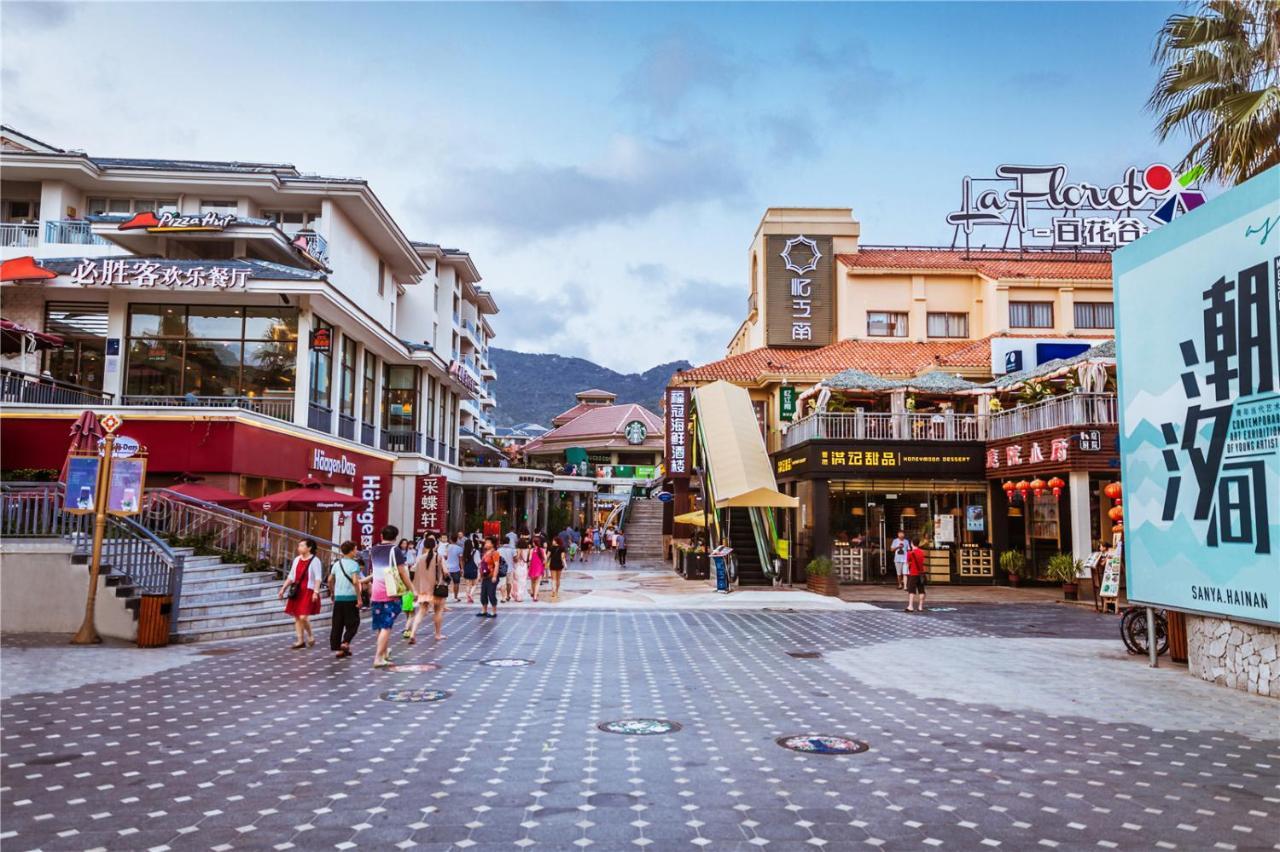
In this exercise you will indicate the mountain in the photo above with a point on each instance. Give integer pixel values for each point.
(534, 388)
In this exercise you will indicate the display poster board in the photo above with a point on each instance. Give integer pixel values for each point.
(82, 484)
(128, 480)
(1111, 576)
(944, 529)
(1198, 353)
(1044, 517)
(975, 518)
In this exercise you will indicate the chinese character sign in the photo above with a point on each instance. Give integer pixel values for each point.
(1199, 360)
(125, 272)
(430, 508)
(799, 290)
(677, 428)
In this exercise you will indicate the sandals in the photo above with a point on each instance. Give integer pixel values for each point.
(297, 646)
(411, 641)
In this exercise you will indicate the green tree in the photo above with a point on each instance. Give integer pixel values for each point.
(1220, 84)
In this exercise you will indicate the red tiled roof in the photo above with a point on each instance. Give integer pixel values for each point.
(568, 415)
(1085, 266)
(599, 423)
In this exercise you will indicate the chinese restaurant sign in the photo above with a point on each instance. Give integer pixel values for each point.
(430, 506)
(1040, 206)
(677, 429)
(935, 458)
(110, 272)
(1053, 450)
(799, 291)
(1199, 366)
(787, 402)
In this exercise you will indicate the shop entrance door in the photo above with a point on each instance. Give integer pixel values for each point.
(875, 555)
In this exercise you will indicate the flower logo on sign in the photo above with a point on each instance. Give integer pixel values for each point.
(808, 265)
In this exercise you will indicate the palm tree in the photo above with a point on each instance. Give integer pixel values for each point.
(1221, 85)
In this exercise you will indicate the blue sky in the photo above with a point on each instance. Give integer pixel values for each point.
(606, 164)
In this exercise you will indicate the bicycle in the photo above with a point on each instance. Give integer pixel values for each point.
(1133, 630)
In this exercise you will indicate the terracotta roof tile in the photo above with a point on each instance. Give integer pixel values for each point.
(600, 422)
(1085, 266)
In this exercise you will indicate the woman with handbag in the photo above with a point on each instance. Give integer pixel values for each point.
(537, 566)
(390, 582)
(345, 584)
(431, 586)
(301, 592)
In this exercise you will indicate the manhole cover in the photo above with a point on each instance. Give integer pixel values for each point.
(805, 655)
(506, 663)
(639, 727)
(413, 667)
(822, 744)
(53, 759)
(413, 696)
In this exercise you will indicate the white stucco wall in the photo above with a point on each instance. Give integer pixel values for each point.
(41, 591)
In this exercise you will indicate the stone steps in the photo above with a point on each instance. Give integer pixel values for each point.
(220, 601)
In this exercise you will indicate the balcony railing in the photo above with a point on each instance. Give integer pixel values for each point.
(16, 386)
(886, 426)
(317, 246)
(18, 234)
(402, 440)
(346, 427)
(320, 417)
(281, 408)
(1076, 409)
(367, 432)
(72, 232)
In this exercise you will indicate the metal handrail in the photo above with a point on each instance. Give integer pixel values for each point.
(19, 234)
(279, 408)
(232, 532)
(72, 232)
(1073, 409)
(887, 426)
(19, 387)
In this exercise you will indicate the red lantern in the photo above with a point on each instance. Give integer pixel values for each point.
(1112, 490)
(1115, 513)
(1056, 484)
(1037, 486)
(1022, 487)
(1008, 487)
(1117, 528)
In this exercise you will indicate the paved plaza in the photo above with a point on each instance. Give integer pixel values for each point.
(1013, 726)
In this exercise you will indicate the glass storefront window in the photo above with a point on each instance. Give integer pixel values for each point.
(347, 385)
(270, 323)
(157, 321)
(83, 329)
(399, 398)
(322, 369)
(367, 409)
(215, 322)
(155, 368)
(268, 368)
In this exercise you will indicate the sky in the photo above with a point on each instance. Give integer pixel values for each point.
(605, 164)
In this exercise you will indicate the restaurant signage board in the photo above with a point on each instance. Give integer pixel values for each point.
(124, 492)
(82, 484)
(321, 339)
(1198, 304)
(431, 504)
(799, 290)
(787, 395)
(463, 377)
(1053, 450)
(373, 489)
(179, 275)
(832, 460)
(167, 221)
(635, 432)
(328, 465)
(677, 432)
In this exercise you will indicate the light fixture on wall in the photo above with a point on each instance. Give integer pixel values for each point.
(857, 511)
(909, 512)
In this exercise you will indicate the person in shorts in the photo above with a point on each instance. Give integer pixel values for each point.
(453, 561)
(385, 605)
(915, 578)
(900, 546)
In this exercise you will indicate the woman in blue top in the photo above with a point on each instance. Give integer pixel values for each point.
(345, 581)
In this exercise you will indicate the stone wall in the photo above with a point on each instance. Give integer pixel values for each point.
(1235, 654)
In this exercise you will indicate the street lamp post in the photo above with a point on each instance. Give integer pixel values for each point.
(88, 632)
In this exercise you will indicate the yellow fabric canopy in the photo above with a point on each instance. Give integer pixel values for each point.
(697, 518)
(740, 469)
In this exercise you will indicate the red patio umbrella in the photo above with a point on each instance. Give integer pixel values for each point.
(211, 494)
(311, 496)
(85, 434)
(16, 338)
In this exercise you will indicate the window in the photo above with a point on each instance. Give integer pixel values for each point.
(292, 221)
(1095, 315)
(21, 211)
(382, 275)
(347, 383)
(211, 351)
(400, 397)
(1031, 314)
(431, 408)
(369, 387)
(322, 369)
(948, 325)
(83, 329)
(102, 206)
(209, 205)
(886, 324)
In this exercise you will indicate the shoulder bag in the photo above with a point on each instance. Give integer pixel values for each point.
(291, 588)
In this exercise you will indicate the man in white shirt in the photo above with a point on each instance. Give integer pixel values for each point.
(901, 546)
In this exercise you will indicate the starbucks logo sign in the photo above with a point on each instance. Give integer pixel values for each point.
(636, 432)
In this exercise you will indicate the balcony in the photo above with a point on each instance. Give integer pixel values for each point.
(280, 408)
(316, 246)
(320, 417)
(19, 234)
(367, 432)
(346, 427)
(72, 232)
(885, 426)
(1075, 409)
(402, 440)
(18, 387)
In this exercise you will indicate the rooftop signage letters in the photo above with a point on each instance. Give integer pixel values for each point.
(168, 222)
(1037, 205)
(109, 272)
(933, 458)
(799, 290)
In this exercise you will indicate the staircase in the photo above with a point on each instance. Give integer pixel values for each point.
(644, 530)
(745, 552)
(220, 601)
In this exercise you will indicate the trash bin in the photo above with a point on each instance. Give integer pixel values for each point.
(1177, 635)
(153, 620)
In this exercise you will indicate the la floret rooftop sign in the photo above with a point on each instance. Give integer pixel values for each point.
(1040, 206)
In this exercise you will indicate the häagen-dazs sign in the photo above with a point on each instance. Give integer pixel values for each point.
(1198, 354)
(327, 464)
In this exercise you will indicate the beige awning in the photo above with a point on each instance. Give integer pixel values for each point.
(697, 518)
(740, 467)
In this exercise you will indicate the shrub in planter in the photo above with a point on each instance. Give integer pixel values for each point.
(1013, 563)
(1063, 568)
(820, 577)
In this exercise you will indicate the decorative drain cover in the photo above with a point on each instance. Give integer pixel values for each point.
(414, 667)
(413, 696)
(506, 663)
(805, 655)
(639, 727)
(822, 744)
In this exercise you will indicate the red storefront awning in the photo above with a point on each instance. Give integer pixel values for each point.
(311, 497)
(211, 494)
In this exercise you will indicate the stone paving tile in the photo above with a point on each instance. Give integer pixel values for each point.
(264, 747)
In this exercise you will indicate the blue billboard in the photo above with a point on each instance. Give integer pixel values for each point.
(1198, 354)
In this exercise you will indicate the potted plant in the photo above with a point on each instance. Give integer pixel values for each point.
(1013, 563)
(820, 577)
(1064, 568)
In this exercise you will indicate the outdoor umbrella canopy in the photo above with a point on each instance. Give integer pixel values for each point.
(310, 497)
(697, 518)
(210, 494)
(85, 434)
(15, 339)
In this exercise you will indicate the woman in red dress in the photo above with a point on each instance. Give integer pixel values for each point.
(304, 602)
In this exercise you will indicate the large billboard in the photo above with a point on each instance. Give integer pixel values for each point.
(1198, 339)
(799, 291)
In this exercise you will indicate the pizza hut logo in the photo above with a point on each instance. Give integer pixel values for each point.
(166, 222)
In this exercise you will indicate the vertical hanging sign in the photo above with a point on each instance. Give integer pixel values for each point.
(431, 505)
(677, 432)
